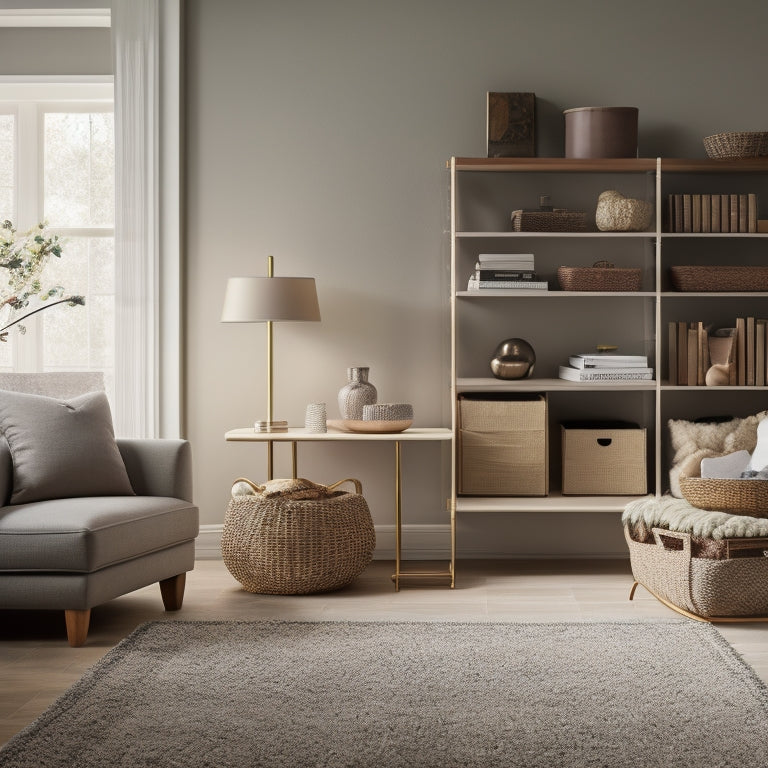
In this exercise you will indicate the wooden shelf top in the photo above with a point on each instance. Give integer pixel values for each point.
(594, 165)
(610, 164)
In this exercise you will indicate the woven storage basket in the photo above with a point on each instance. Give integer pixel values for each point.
(736, 278)
(599, 279)
(736, 497)
(736, 144)
(704, 587)
(558, 220)
(285, 546)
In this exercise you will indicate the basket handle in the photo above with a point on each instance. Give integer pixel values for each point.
(257, 488)
(358, 485)
(684, 537)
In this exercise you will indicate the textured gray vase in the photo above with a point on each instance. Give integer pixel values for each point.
(513, 359)
(356, 393)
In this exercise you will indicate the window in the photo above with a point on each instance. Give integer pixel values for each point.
(57, 162)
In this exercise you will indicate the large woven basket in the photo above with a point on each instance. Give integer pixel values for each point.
(736, 497)
(599, 278)
(725, 278)
(285, 546)
(557, 220)
(736, 144)
(737, 586)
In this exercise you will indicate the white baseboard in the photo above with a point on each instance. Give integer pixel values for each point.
(419, 542)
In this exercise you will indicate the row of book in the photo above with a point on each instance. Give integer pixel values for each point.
(712, 213)
(743, 350)
(506, 271)
(606, 367)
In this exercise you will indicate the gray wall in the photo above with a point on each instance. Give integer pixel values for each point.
(319, 132)
(46, 51)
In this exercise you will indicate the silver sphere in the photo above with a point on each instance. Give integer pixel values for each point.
(513, 359)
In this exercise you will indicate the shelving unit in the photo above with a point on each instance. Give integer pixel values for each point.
(558, 323)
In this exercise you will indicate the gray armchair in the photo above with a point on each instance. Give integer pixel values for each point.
(75, 553)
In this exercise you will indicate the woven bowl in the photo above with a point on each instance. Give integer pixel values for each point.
(736, 144)
(736, 497)
(616, 213)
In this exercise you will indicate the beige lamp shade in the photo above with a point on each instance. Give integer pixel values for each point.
(270, 299)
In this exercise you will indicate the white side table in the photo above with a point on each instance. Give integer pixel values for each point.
(297, 435)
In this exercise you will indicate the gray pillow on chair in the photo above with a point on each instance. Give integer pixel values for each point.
(62, 448)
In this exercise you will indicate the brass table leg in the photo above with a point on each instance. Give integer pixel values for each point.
(398, 514)
(270, 460)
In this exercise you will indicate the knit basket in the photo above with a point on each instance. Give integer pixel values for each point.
(280, 545)
(737, 586)
(557, 220)
(746, 496)
(736, 144)
(719, 278)
(599, 278)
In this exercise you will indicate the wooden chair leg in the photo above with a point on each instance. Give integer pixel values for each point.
(77, 626)
(172, 591)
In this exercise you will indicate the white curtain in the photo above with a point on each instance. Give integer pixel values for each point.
(146, 58)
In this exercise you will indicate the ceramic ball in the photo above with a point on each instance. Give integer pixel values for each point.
(513, 359)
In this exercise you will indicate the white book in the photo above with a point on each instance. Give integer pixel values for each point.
(484, 257)
(606, 374)
(608, 361)
(481, 285)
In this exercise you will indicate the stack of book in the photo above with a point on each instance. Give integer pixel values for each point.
(693, 348)
(604, 367)
(712, 213)
(506, 270)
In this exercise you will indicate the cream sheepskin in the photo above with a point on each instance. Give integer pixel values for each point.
(693, 441)
(678, 515)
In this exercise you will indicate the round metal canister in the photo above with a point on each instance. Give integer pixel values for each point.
(601, 132)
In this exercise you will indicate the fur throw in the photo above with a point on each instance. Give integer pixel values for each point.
(678, 515)
(694, 441)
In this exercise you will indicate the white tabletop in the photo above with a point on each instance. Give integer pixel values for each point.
(296, 434)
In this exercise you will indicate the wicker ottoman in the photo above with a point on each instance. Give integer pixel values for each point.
(714, 567)
(284, 545)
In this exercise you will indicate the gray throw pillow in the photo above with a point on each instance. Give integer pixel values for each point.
(62, 448)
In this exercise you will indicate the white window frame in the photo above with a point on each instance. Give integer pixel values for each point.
(29, 99)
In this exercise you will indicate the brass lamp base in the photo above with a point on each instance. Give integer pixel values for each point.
(270, 426)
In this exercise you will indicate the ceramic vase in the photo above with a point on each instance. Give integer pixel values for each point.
(356, 393)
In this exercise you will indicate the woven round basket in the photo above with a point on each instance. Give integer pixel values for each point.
(284, 546)
(736, 497)
(736, 144)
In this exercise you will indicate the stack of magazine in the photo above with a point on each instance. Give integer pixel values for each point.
(514, 271)
(604, 367)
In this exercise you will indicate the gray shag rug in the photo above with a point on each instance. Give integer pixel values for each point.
(358, 694)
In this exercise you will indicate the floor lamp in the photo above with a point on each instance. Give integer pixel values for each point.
(268, 300)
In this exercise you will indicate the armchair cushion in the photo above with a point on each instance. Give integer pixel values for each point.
(86, 534)
(62, 448)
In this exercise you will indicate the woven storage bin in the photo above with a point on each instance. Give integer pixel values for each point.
(503, 446)
(736, 144)
(737, 278)
(737, 586)
(284, 546)
(736, 497)
(557, 220)
(599, 279)
(603, 461)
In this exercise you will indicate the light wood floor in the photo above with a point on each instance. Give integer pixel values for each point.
(37, 665)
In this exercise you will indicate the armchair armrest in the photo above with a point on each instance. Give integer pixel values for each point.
(6, 473)
(158, 467)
